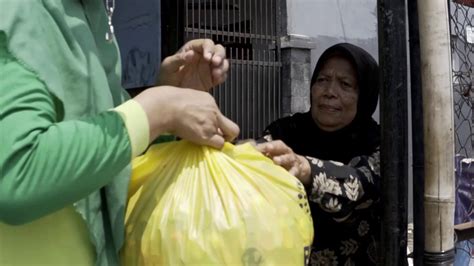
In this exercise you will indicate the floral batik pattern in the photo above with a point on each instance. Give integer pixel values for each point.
(345, 198)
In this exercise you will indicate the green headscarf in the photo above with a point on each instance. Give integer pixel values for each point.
(63, 42)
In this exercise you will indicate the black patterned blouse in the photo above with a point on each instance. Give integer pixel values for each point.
(346, 220)
(345, 206)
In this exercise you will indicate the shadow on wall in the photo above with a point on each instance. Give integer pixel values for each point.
(139, 68)
(138, 29)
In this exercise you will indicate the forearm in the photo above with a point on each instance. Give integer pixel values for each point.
(45, 170)
(341, 189)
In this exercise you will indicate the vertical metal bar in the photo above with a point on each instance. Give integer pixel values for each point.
(234, 31)
(394, 114)
(229, 32)
(234, 99)
(275, 60)
(221, 93)
(233, 90)
(265, 99)
(257, 68)
(258, 75)
(211, 26)
(228, 21)
(274, 89)
(222, 17)
(250, 86)
(205, 18)
(254, 69)
(268, 66)
(270, 89)
(211, 22)
(272, 29)
(230, 88)
(232, 55)
(265, 67)
(242, 51)
(278, 100)
(248, 93)
(215, 22)
(186, 24)
(417, 135)
(257, 28)
(270, 19)
(278, 32)
(199, 19)
(238, 87)
(180, 24)
(239, 93)
(201, 22)
(275, 57)
(267, 70)
(261, 70)
(226, 91)
(247, 86)
(177, 19)
(193, 19)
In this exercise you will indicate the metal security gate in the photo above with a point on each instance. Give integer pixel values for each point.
(462, 45)
(250, 31)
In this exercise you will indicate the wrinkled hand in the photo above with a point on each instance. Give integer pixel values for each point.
(199, 64)
(284, 156)
(190, 114)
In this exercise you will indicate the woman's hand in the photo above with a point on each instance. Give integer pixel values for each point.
(284, 156)
(189, 114)
(199, 64)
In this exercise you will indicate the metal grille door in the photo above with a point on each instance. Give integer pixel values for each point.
(249, 29)
(462, 46)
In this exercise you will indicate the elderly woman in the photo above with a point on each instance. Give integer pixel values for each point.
(334, 150)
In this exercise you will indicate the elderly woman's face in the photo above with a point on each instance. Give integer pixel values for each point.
(334, 95)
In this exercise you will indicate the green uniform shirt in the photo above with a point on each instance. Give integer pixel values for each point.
(64, 158)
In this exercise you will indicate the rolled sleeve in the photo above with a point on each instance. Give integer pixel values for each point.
(137, 125)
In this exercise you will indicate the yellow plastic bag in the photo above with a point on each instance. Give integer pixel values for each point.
(194, 205)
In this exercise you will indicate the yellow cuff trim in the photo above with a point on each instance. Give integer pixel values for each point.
(136, 122)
